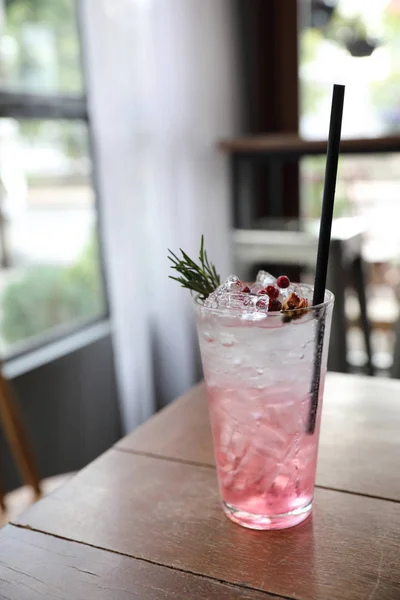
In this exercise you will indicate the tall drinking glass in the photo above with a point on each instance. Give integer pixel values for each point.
(258, 374)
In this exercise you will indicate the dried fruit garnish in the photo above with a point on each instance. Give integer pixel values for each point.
(294, 307)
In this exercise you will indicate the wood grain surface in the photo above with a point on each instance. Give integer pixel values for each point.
(34, 566)
(180, 431)
(288, 143)
(359, 446)
(360, 436)
(168, 512)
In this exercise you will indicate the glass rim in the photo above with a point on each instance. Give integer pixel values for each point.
(329, 299)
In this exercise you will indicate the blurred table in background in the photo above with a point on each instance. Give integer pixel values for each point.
(294, 242)
(271, 153)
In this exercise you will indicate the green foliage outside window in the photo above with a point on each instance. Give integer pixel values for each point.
(49, 296)
(38, 68)
(58, 18)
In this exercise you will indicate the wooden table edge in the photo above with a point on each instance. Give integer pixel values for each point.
(217, 580)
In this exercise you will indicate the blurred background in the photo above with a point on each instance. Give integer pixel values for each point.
(111, 118)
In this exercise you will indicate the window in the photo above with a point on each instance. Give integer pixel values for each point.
(39, 47)
(50, 270)
(353, 42)
(359, 40)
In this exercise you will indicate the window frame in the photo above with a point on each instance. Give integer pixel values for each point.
(67, 107)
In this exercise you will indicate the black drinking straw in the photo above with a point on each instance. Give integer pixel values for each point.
(324, 240)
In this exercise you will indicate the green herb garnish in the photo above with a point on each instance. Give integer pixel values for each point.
(200, 278)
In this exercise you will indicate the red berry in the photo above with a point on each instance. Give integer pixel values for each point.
(262, 292)
(283, 281)
(272, 291)
(246, 289)
(274, 304)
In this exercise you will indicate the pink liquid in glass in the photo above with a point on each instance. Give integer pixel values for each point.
(266, 461)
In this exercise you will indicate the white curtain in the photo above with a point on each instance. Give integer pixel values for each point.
(162, 89)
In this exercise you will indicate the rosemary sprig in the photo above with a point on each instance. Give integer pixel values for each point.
(200, 278)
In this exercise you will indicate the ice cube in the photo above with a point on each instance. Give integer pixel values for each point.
(240, 300)
(217, 298)
(256, 288)
(237, 300)
(256, 312)
(212, 301)
(231, 300)
(265, 278)
(305, 291)
(229, 296)
(226, 432)
(262, 303)
(285, 292)
(230, 284)
(281, 483)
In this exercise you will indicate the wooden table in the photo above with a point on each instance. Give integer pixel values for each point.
(143, 521)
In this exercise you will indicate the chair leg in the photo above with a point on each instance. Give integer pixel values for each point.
(337, 358)
(395, 372)
(17, 437)
(3, 507)
(359, 284)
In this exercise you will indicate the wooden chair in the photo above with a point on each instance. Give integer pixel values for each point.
(395, 372)
(17, 438)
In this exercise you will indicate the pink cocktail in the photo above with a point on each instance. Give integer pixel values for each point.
(258, 368)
